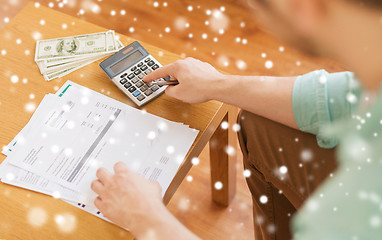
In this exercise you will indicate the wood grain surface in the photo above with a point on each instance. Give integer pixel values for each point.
(204, 117)
(242, 49)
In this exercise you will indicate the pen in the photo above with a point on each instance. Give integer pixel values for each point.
(166, 81)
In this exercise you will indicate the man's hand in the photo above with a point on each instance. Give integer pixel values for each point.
(196, 80)
(131, 201)
(126, 198)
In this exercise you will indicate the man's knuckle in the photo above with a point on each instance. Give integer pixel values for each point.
(106, 212)
(178, 63)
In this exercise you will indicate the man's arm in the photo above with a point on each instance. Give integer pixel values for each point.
(270, 97)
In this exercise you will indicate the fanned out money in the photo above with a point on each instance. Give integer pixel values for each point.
(58, 57)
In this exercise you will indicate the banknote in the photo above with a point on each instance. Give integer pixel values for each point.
(58, 57)
(72, 46)
(63, 66)
(58, 74)
(112, 42)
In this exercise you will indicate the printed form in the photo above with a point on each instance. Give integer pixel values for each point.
(77, 131)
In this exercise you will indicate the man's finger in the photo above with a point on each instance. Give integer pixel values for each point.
(120, 167)
(162, 72)
(170, 91)
(103, 175)
(98, 203)
(97, 187)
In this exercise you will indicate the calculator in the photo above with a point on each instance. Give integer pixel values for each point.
(127, 67)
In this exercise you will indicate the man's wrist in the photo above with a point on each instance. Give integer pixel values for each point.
(219, 88)
(149, 221)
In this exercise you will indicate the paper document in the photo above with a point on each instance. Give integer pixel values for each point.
(76, 131)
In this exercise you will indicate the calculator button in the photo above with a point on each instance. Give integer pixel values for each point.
(137, 72)
(144, 68)
(136, 93)
(141, 97)
(147, 60)
(140, 64)
(123, 75)
(131, 75)
(127, 85)
(144, 88)
(167, 78)
(141, 75)
(155, 66)
(139, 84)
(151, 63)
(149, 84)
(132, 89)
(135, 80)
(133, 69)
(148, 71)
(148, 92)
(154, 88)
(123, 81)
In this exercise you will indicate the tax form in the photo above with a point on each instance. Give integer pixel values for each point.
(77, 131)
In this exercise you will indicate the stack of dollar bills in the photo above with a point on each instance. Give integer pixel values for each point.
(58, 57)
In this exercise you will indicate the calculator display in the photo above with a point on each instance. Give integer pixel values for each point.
(131, 59)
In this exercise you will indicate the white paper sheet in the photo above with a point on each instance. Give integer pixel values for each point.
(76, 131)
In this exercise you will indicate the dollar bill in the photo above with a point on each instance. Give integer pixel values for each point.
(81, 45)
(58, 74)
(111, 49)
(59, 67)
(62, 66)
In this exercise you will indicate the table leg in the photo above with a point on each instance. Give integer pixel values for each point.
(223, 169)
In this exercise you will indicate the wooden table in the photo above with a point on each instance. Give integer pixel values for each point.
(30, 215)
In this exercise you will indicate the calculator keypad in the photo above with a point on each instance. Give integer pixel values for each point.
(132, 80)
(131, 75)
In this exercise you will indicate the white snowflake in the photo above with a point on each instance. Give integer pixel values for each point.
(240, 64)
(218, 185)
(351, 98)
(184, 204)
(189, 178)
(236, 127)
(14, 79)
(30, 107)
(181, 23)
(195, 161)
(230, 150)
(306, 155)
(263, 199)
(283, 170)
(268, 64)
(170, 149)
(247, 173)
(151, 135)
(66, 222)
(37, 216)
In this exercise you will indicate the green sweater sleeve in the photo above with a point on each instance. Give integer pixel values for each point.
(320, 98)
